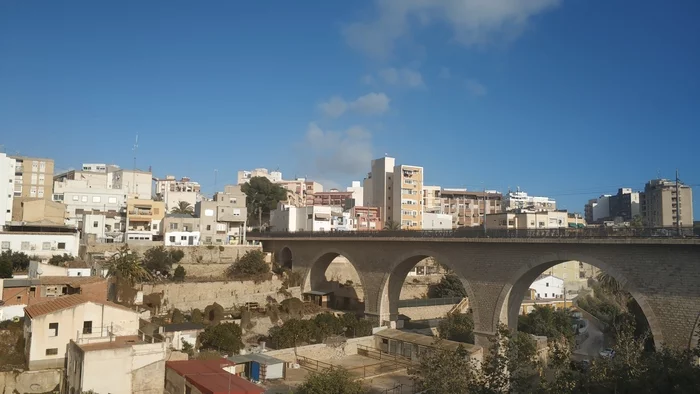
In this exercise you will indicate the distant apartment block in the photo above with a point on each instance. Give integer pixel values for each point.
(289, 218)
(521, 200)
(172, 191)
(245, 176)
(623, 206)
(526, 220)
(377, 186)
(299, 189)
(666, 204)
(357, 192)
(90, 196)
(7, 180)
(437, 221)
(143, 219)
(33, 177)
(432, 202)
(468, 208)
(40, 240)
(333, 198)
(223, 220)
(407, 201)
(367, 218)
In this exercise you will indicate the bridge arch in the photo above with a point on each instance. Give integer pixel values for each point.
(286, 258)
(390, 295)
(511, 296)
(316, 275)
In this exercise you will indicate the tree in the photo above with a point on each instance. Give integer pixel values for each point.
(450, 286)
(608, 283)
(179, 274)
(183, 207)
(60, 259)
(213, 313)
(177, 316)
(333, 381)
(327, 325)
(252, 263)
(196, 316)
(291, 334)
(547, 321)
(355, 327)
(444, 371)
(18, 261)
(457, 327)
(262, 196)
(224, 337)
(637, 221)
(159, 260)
(126, 267)
(5, 267)
(294, 307)
(188, 348)
(392, 225)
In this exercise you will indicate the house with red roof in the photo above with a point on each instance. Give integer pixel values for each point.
(206, 377)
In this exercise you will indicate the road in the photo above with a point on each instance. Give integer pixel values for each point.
(592, 346)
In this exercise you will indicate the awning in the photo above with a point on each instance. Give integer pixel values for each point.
(325, 216)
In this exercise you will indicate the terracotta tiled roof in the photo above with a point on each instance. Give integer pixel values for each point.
(66, 302)
(73, 281)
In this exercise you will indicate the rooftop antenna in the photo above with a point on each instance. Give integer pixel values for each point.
(134, 149)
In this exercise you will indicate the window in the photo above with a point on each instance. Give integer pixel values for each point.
(76, 198)
(83, 198)
(96, 199)
(25, 245)
(183, 238)
(172, 238)
(545, 295)
(155, 226)
(87, 327)
(46, 246)
(5, 245)
(62, 245)
(32, 191)
(173, 226)
(42, 166)
(208, 212)
(53, 329)
(208, 227)
(233, 200)
(41, 192)
(546, 284)
(41, 179)
(34, 179)
(95, 224)
(52, 351)
(236, 212)
(112, 200)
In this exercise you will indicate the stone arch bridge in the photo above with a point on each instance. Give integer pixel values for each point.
(663, 274)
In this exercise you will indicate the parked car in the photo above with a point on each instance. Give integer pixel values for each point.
(607, 353)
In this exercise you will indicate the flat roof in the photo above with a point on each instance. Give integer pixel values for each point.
(187, 326)
(317, 292)
(425, 340)
(261, 358)
(116, 343)
(210, 377)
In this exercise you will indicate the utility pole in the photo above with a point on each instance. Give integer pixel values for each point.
(133, 178)
(678, 205)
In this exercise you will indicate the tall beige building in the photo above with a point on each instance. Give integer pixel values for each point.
(664, 202)
(407, 204)
(377, 187)
(33, 177)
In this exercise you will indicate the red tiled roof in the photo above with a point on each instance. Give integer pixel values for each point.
(210, 378)
(65, 302)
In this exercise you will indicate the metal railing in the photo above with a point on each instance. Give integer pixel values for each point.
(588, 232)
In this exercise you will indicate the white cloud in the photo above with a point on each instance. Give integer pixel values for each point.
(403, 77)
(367, 79)
(475, 88)
(445, 73)
(338, 153)
(472, 21)
(369, 104)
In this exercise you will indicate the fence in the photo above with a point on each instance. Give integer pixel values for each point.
(429, 302)
(587, 232)
(386, 365)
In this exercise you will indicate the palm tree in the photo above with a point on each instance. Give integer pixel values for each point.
(183, 207)
(392, 225)
(608, 283)
(125, 266)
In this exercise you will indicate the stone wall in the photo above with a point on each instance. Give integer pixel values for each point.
(45, 381)
(426, 312)
(189, 295)
(322, 351)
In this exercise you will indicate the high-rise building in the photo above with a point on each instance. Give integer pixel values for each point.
(667, 204)
(623, 206)
(377, 186)
(407, 204)
(357, 193)
(33, 177)
(7, 179)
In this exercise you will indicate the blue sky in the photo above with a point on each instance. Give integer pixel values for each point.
(567, 98)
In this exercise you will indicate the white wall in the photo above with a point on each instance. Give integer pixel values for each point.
(79, 271)
(77, 194)
(37, 269)
(437, 221)
(43, 245)
(9, 312)
(178, 238)
(357, 193)
(548, 287)
(7, 182)
(602, 208)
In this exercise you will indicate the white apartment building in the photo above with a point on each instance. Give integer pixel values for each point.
(357, 193)
(520, 200)
(245, 176)
(7, 179)
(437, 221)
(88, 197)
(289, 218)
(41, 244)
(172, 191)
(548, 286)
(50, 325)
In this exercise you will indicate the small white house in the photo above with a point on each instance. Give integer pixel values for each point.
(182, 238)
(42, 245)
(437, 221)
(547, 287)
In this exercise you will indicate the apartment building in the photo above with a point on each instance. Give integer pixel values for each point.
(143, 219)
(469, 207)
(526, 220)
(623, 206)
(40, 240)
(91, 196)
(407, 203)
(7, 180)
(333, 198)
(181, 229)
(367, 218)
(666, 204)
(515, 200)
(300, 189)
(172, 191)
(357, 192)
(33, 177)
(432, 202)
(223, 219)
(245, 176)
(289, 218)
(135, 183)
(377, 186)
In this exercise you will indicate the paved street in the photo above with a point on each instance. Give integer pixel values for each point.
(594, 344)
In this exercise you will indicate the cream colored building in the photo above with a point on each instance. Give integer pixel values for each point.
(432, 203)
(50, 325)
(33, 177)
(526, 220)
(143, 219)
(407, 204)
(172, 191)
(377, 187)
(39, 210)
(662, 204)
